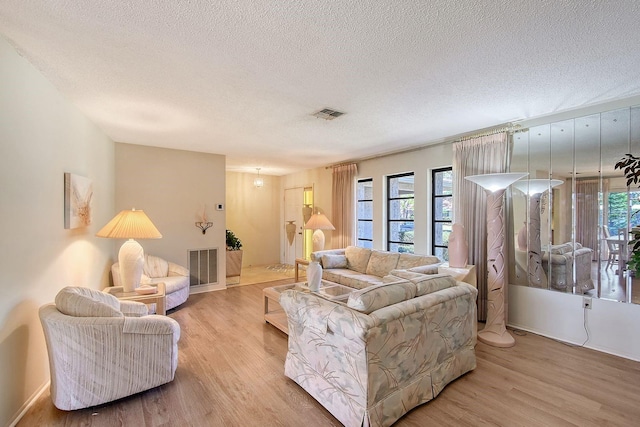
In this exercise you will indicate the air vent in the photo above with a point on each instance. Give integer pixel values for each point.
(327, 114)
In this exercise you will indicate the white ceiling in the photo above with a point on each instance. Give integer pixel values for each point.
(242, 77)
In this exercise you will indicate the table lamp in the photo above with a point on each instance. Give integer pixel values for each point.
(495, 331)
(130, 224)
(318, 222)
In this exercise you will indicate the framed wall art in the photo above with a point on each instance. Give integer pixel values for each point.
(78, 193)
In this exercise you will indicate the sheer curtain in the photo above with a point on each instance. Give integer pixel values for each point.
(343, 205)
(475, 156)
(587, 210)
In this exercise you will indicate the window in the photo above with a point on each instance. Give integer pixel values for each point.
(400, 202)
(442, 211)
(620, 204)
(364, 209)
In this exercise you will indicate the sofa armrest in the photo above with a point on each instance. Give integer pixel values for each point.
(133, 308)
(177, 270)
(152, 325)
(306, 310)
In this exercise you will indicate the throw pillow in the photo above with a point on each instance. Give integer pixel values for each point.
(381, 263)
(334, 261)
(370, 299)
(84, 302)
(433, 283)
(357, 258)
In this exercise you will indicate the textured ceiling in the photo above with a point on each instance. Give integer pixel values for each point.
(242, 77)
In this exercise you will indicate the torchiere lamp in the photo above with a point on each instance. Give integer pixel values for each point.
(130, 224)
(534, 188)
(495, 331)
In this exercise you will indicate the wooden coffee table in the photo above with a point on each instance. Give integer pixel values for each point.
(275, 315)
(158, 297)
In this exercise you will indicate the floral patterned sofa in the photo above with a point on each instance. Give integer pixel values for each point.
(388, 349)
(360, 267)
(559, 264)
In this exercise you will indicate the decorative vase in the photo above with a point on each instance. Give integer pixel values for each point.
(314, 275)
(522, 238)
(458, 248)
(291, 231)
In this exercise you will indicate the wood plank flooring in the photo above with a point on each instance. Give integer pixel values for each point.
(230, 373)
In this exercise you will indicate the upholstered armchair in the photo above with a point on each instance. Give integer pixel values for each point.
(559, 263)
(155, 270)
(102, 349)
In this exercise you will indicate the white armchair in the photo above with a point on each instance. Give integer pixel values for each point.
(156, 270)
(102, 349)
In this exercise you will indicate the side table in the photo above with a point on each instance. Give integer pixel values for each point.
(158, 298)
(299, 261)
(462, 274)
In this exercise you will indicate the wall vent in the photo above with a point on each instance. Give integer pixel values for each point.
(327, 114)
(203, 266)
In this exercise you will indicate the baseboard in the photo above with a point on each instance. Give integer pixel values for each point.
(28, 404)
(578, 344)
(198, 289)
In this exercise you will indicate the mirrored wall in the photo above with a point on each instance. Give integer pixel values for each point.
(570, 219)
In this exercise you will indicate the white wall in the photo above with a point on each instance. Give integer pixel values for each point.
(612, 326)
(42, 136)
(253, 214)
(420, 162)
(173, 187)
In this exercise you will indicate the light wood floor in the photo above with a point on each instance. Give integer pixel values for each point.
(230, 373)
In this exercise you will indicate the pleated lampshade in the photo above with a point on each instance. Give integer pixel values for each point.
(130, 224)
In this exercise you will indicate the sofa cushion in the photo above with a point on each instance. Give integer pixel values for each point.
(335, 274)
(85, 302)
(406, 261)
(155, 267)
(374, 297)
(360, 281)
(426, 269)
(334, 261)
(432, 283)
(357, 258)
(382, 262)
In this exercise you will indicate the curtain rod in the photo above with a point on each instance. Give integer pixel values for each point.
(511, 128)
(337, 165)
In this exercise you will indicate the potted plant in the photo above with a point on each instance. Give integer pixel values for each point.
(234, 254)
(630, 165)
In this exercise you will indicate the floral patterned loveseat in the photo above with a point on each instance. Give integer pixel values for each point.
(388, 349)
(360, 267)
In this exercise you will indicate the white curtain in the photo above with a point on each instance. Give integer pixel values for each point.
(587, 210)
(475, 156)
(343, 205)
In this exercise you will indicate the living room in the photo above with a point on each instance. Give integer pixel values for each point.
(45, 135)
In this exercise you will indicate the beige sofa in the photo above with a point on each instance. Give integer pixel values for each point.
(155, 270)
(360, 267)
(388, 349)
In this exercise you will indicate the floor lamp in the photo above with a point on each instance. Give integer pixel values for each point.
(534, 188)
(495, 331)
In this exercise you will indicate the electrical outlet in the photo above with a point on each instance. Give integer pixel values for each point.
(586, 302)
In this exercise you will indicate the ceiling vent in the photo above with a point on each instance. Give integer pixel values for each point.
(327, 114)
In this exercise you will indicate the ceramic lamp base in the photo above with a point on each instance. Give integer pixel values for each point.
(494, 339)
(131, 261)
